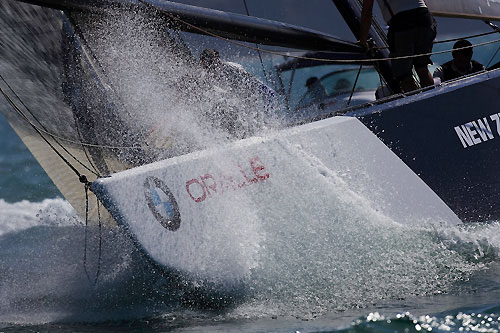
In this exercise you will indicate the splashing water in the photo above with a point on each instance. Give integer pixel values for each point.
(349, 256)
(347, 263)
(167, 93)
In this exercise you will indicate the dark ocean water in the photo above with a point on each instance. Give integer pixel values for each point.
(392, 279)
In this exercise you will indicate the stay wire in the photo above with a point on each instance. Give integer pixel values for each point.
(495, 29)
(348, 61)
(257, 46)
(493, 57)
(355, 83)
(452, 39)
(18, 110)
(82, 178)
(54, 136)
(94, 283)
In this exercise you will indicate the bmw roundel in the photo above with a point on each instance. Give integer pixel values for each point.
(162, 203)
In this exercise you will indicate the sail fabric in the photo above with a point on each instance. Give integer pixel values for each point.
(473, 9)
(31, 66)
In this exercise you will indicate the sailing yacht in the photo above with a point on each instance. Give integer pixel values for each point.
(110, 98)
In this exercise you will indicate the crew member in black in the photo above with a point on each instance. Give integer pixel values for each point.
(461, 64)
(412, 30)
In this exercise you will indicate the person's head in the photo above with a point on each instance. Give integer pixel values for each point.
(343, 84)
(311, 82)
(461, 56)
(209, 58)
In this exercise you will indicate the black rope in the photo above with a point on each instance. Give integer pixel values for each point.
(208, 33)
(258, 49)
(83, 179)
(493, 57)
(18, 110)
(355, 83)
(495, 29)
(86, 226)
(466, 37)
(94, 283)
(451, 39)
(100, 241)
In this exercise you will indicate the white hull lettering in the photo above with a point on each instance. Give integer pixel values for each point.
(496, 119)
(464, 136)
(477, 131)
(484, 129)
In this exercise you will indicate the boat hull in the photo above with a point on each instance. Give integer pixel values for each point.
(450, 137)
(211, 214)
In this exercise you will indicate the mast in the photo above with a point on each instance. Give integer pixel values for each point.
(351, 12)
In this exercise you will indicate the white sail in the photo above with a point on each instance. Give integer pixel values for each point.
(473, 9)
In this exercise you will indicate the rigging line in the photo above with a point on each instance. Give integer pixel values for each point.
(493, 57)
(352, 61)
(85, 148)
(82, 45)
(495, 29)
(23, 116)
(81, 177)
(257, 46)
(54, 136)
(381, 85)
(34, 117)
(292, 76)
(100, 242)
(355, 83)
(85, 143)
(348, 61)
(466, 37)
(451, 39)
(71, 36)
(78, 40)
(86, 236)
(92, 60)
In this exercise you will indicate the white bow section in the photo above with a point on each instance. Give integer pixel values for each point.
(211, 213)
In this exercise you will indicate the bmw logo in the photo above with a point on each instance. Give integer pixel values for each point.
(162, 203)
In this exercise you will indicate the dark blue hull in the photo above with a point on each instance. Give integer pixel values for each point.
(429, 132)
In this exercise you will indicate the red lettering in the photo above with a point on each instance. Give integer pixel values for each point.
(212, 186)
(247, 180)
(195, 181)
(256, 168)
(226, 182)
(209, 185)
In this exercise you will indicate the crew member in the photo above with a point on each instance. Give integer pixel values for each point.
(412, 30)
(315, 92)
(237, 85)
(461, 64)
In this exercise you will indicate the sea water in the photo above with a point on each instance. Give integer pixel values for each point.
(54, 277)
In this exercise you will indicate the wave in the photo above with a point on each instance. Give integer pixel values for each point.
(53, 270)
(346, 264)
(25, 214)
